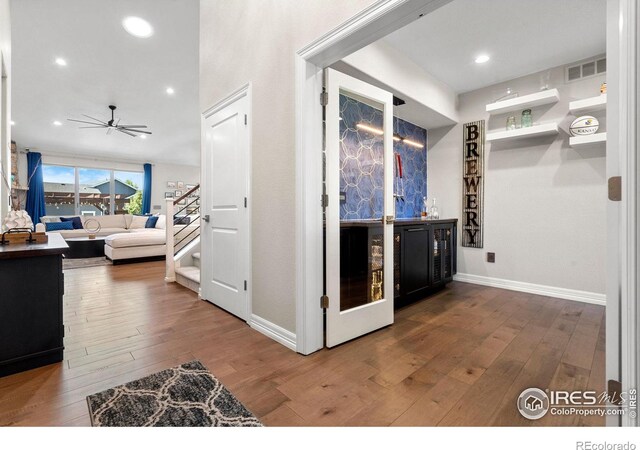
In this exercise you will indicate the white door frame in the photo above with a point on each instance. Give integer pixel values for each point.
(378, 20)
(243, 91)
(373, 23)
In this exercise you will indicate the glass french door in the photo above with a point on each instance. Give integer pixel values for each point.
(360, 212)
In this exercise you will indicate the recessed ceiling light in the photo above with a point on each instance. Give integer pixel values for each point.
(61, 62)
(57, 123)
(480, 59)
(137, 27)
(12, 123)
(143, 136)
(170, 91)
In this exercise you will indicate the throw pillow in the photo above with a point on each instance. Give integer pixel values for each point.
(138, 222)
(58, 226)
(151, 222)
(76, 221)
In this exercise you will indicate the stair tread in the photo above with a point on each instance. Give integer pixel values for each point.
(190, 272)
(196, 255)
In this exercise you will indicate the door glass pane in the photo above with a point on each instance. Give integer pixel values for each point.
(95, 195)
(128, 195)
(59, 190)
(361, 201)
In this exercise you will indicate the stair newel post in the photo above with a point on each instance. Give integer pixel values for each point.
(170, 271)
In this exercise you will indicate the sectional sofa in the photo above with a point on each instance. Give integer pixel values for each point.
(126, 237)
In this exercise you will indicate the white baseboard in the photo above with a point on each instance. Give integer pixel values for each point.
(275, 332)
(539, 289)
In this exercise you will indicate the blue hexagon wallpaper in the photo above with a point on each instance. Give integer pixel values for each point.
(361, 164)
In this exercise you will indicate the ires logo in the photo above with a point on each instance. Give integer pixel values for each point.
(575, 398)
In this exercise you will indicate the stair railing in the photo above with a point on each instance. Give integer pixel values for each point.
(183, 227)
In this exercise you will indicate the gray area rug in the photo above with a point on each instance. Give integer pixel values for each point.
(184, 396)
(79, 263)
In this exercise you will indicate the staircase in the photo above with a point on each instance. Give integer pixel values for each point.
(183, 240)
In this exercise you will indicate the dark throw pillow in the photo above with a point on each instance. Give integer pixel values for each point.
(58, 226)
(151, 222)
(75, 221)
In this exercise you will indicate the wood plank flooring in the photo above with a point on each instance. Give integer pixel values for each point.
(461, 357)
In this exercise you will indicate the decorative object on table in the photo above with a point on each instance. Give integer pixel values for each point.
(180, 184)
(184, 396)
(178, 194)
(17, 219)
(23, 236)
(171, 184)
(425, 208)
(473, 184)
(603, 87)
(93, 227)
(526, 120)
(168, 195)
(113, 124)
(584, 126)
(511, 123)
(434, 214)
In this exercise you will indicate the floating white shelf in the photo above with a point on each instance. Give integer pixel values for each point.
(546, 129)
(591, 139)
(598, 103)
(526, 101)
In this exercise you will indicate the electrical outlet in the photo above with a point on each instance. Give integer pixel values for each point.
(491, 257)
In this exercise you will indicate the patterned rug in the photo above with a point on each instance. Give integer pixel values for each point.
(78, 263)
(184, 396)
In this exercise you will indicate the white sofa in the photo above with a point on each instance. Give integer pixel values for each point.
(126, 237)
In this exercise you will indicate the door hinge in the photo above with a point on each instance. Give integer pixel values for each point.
(245, 202)
(324, 200)
(324, 302)
(614, 186)
(324, 98)
(245, 285)
(245, 119)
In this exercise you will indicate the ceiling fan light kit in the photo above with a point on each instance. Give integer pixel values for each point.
(113, 124)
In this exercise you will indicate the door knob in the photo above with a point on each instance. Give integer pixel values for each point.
(206, 218)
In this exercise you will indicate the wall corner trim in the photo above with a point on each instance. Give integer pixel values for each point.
(275, 332)
(538, 289)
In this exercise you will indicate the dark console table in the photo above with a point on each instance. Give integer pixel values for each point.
(85, 247)
(424, 258)
(31, 328)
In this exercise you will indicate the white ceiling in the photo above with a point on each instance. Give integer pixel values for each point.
(520, 36)
(106, 66)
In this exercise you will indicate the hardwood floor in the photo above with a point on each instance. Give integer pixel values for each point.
(461, 357)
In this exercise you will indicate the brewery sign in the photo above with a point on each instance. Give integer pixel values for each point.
(472, 184)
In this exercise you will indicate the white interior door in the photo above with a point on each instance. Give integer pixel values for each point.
(359, 255)
(225, 219)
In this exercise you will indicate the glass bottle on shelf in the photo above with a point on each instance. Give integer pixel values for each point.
(526, 120)
(434, 213)
(511, 123)
(425, 209)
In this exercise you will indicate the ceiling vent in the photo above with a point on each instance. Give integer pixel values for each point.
(586, 69)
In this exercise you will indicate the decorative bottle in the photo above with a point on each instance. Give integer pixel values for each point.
(424, 210)
(526, 120)
(434, 213)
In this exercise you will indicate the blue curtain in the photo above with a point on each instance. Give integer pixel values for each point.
(146, 190)
(35, 195)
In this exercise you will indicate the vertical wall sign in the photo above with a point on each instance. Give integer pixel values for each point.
(473, 184)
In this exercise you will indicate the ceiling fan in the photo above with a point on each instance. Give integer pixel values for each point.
(113, 124)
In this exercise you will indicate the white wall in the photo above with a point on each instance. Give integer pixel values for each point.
(545, 203)
(391, 68)
(161, 173)
(257, 40)
(5, 133)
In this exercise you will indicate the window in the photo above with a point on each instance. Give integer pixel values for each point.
(59, 190)
(128, 189)
(91, 192)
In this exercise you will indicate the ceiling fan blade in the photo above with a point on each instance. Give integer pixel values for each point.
(135, 131)
(133, 126)
(109, 130)
(125, 132)
(93, 118)
(95, 126)
(84, 121)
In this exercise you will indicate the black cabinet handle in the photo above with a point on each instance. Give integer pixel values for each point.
(415, 229)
